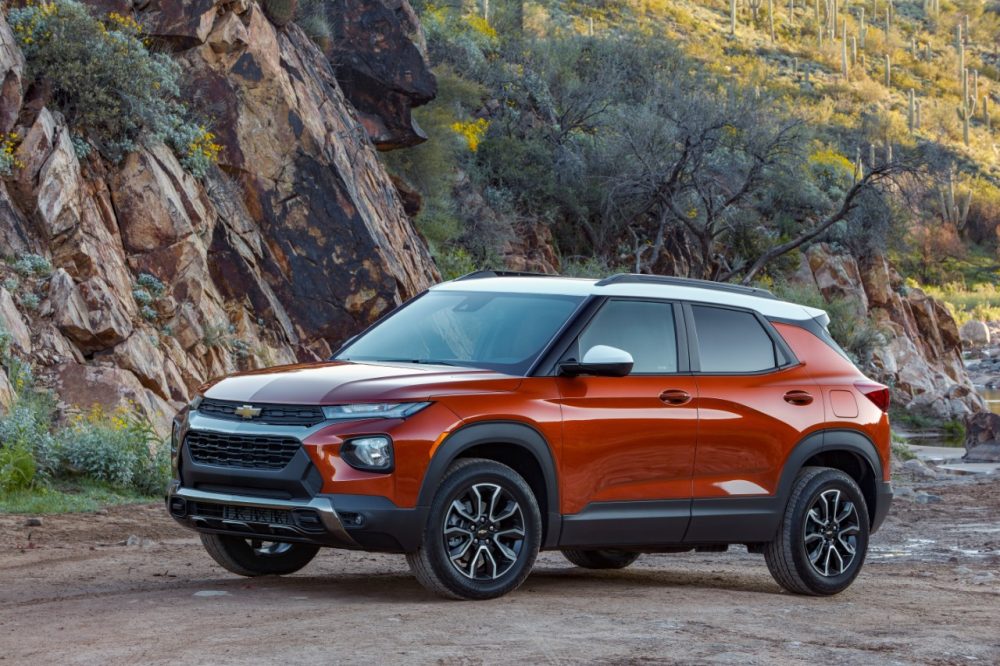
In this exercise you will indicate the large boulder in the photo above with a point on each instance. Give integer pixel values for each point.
(13, 323)
(982, 437)
(975, 333)
(922, 357)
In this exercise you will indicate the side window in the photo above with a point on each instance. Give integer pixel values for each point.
(731, 341)
(644, 329)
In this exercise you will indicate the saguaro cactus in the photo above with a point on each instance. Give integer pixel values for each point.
(888, 71)
(843, 58)
(732, 17)
(862, 26)
(911, 115)
(770, 18)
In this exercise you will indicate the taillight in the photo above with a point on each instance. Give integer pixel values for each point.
(877, 393)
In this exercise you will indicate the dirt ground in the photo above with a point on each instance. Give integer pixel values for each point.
(127, 586)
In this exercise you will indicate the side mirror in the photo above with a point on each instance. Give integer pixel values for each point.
(602, 361)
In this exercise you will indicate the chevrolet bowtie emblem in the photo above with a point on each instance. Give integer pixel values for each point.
(247, 411)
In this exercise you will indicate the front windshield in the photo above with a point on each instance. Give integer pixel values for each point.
(496, 331)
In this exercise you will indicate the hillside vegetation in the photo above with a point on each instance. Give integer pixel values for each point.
(698, 137)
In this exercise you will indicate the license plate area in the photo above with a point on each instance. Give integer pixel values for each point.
(250, 514)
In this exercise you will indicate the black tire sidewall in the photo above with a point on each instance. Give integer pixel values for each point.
(454, 485)
(828, 480)
(242, 554)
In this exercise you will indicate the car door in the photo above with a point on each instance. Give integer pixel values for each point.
(755, 402)
(629, 442)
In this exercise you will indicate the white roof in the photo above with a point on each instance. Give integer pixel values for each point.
(561, 286)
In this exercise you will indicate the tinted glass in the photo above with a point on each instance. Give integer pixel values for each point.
(496, 331)
(643, 329)
(731, 341)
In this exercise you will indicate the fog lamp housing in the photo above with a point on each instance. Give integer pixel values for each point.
(372, 453)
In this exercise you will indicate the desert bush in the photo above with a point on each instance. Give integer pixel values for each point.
(120, 448)
(107, 83)
(32, 265)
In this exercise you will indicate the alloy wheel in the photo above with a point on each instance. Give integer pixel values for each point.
(831, 533)
(484, 531)
(269, 548)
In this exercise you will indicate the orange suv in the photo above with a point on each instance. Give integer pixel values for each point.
(500, 414)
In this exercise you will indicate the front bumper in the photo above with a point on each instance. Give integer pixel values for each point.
(338, 521)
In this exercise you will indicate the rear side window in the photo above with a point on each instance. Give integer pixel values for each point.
(730, 341)
(642, 328)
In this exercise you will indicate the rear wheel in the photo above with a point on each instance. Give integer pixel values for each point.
(482, 535)
(600, 559)
(823, 538)
(254, 557)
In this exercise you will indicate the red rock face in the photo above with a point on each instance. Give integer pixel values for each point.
(382, 69)
(298, 240)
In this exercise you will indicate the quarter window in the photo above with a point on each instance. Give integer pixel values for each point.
(644, 329)
(731, 341)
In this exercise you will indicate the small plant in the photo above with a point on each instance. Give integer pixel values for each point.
(30, 301)
(17, 468)
(472, 131)
(280, 12)
(6, 340)
(11, 284)
(8, 161)
(32, 265)
(146, 291)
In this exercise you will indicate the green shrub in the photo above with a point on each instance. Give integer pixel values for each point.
(312, 18)
(120, 448)
(106, 82)
(280, 12)
(17, 468)
(32, 265)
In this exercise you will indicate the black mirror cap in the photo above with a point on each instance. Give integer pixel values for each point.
(575, 369)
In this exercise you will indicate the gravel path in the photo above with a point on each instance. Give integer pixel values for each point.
(81, 591)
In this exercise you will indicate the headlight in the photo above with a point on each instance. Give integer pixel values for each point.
(374, 410)
(370, 454)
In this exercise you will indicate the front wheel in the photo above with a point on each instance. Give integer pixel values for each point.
(482, 535)
(253, 557)
(823, 538)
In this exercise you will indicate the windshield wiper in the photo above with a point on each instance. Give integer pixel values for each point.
(422, 361)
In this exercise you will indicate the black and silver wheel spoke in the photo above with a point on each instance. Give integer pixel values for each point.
(269, 548)
(830, 533)
(484, 531)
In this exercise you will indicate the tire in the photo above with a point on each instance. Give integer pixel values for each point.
(494, 557)
(268, 558)
(811, 553)
(600, 559)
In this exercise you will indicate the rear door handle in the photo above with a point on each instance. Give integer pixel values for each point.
(675, 397)
(798, 398)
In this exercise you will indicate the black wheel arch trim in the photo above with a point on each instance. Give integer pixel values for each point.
(826, 441)
(511, 433)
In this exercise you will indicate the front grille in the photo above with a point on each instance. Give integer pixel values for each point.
(247, 451)
(241, 514)
(298, 415)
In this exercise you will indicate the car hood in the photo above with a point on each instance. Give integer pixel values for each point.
(342, 382)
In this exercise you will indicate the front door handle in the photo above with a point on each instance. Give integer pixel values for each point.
(798, 398)
(675, 397)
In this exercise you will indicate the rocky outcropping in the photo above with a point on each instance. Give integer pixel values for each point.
(297, 240)
(922, 358)
(982, 438)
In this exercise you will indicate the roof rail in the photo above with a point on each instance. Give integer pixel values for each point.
(478, 275)
(686, 282)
